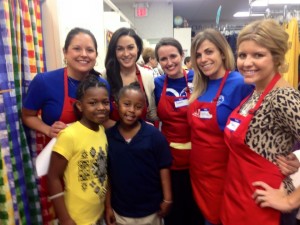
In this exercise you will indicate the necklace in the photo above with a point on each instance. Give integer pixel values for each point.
(73, 83)
(250, 103)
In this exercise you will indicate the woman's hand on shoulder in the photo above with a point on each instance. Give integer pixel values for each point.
(55, 128)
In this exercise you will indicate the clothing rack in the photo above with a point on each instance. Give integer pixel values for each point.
(283, 13)
(230, 29)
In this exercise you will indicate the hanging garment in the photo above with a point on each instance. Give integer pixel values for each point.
(19, 60)
(244, 167)
(209, 156)
(291, 57)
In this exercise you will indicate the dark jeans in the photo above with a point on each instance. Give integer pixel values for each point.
(184, 210)
(289, 218)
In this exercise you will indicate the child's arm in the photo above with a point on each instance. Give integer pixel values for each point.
(109, 213)
(57, 167)
(165, 206)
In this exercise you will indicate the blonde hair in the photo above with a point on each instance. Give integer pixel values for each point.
(270, 35)
(200, 80)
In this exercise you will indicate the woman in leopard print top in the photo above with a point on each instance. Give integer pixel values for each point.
(264, 126)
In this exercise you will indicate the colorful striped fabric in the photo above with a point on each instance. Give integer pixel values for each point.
(21, 56)
(7, 192)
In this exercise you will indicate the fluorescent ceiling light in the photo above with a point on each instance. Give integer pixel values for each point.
(246, 14)
(259, 3)
(280, 2)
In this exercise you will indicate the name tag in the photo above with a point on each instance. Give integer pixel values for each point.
(205, 114)
(233, 124)
(181, 102)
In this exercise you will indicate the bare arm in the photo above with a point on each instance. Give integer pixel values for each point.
(30, 118)
(165, 206)
(57, 167)
(109, 213)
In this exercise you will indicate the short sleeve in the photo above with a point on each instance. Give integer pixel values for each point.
(36, 88)
(163, 150)
(64, 144)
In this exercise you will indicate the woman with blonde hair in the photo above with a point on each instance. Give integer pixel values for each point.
(263, 127)
(218, 89)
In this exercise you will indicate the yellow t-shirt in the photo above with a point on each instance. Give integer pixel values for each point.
(85, 176)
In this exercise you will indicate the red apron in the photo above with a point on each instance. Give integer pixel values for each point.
(174, 125)
(244, 167)
(209, 156)
(67, 116)
(114, 114)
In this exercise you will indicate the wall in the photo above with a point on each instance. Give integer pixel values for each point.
(184, 36)
(158, 23)
(60, 16)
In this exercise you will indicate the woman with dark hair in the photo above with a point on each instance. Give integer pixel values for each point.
(53, 93)
(124, 49)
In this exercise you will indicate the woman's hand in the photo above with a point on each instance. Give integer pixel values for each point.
(56, 128)
(289, 164)
(266, 196)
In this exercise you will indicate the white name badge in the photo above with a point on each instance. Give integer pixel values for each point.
(181, 102)
(233, 124)
(205, 114)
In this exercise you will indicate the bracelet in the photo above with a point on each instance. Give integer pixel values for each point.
(168, 202)
(56, 195)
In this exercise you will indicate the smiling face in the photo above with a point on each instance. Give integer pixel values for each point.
(210, 60)
(126, 51)
(256, 64)
(94, 106)
(130, 106)
(170, 61)
(80, 55)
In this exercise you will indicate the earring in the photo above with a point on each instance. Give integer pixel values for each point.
(65, 62)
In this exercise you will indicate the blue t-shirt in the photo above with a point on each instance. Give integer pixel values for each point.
(234, 91)
(46, 93)
(134, 170)
(176, 87)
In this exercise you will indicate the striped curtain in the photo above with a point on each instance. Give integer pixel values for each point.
(21, 57)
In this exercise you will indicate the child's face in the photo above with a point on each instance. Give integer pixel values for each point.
(94, 107)
(131, 106)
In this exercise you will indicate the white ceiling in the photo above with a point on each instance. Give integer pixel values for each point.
(201, 10)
